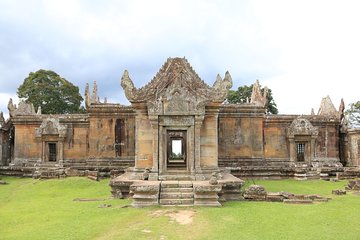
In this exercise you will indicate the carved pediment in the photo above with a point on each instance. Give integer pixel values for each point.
(301, 126)
(257, 97)
(51, 126)
(23, 109)
(177, 88)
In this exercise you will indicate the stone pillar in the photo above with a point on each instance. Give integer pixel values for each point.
(143, 138)
(197, 141)
(312, 148)
(292, 150)
(43, 151)
(155, 129)
(209, 139)
(191, 149)
(61, 151)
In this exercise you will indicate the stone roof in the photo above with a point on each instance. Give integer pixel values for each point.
(327, 108)
(176, 73)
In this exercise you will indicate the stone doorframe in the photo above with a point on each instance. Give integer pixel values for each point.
(163, 123)
(51, 131)
(302, 131)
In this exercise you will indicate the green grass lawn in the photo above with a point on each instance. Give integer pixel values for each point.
(44, 209)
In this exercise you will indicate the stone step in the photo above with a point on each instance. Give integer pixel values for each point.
(185, 201)
(182, 190)
(176, 184)
(177, 195)
(174, 177)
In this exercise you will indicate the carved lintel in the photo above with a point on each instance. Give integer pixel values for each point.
(301, 126)
(51, 126)
(177, 121)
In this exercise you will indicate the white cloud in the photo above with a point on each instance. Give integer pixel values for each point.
(302, 50)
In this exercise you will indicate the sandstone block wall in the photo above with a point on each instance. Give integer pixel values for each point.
(209, 142)
(26, 145)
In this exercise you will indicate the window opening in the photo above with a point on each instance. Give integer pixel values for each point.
(119, 137)
(176, 149)
(52, 152)
(301, 152)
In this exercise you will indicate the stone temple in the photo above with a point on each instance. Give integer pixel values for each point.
(179, 142)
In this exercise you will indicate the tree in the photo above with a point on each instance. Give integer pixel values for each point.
(54, 94)
(244, 92)
(353, 115)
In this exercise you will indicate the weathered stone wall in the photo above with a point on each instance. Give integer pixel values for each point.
(102, 130)
(26, 145)
(327, 142)
(354, 147)
(247, 137)
(275, 140)
(76, 143)
(89, 138)
(240, 134)
(209, 141)
(145, 146)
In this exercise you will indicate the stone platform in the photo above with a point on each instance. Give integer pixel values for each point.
(177, 192)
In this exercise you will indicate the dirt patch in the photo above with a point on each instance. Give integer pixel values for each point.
(182, 217)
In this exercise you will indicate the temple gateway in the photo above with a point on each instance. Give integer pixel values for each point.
(179, 142)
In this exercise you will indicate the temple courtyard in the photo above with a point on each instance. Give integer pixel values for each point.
(79, 208)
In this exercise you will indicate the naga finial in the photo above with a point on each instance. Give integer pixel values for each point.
(11, 108)
(127, 85)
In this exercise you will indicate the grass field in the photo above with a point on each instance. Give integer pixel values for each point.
(45, 209)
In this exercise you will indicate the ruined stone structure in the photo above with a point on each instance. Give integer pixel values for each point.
(177, 128)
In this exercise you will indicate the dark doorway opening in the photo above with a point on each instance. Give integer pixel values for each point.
(119, 137)
(52, 151)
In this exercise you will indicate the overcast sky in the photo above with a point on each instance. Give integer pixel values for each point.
(302, 50)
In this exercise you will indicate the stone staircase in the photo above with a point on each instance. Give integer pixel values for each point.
(48, 170)
(176, 193)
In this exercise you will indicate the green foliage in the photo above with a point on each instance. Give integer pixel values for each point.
(44, 209)
(53, 93)
(244, 92)
(353, 114)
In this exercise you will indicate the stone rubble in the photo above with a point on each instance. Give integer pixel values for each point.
(258, 193)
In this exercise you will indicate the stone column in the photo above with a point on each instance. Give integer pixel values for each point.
(155, 129)
(197, 132)
(143, 138)
(292, 150)
(312, 148)
(43, 151)
(61, 150)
